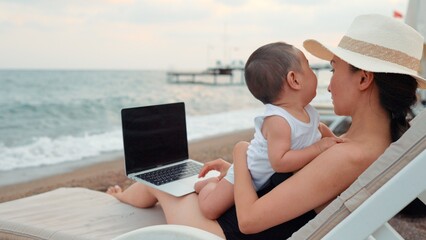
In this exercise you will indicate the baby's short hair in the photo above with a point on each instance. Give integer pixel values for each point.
(267, 68)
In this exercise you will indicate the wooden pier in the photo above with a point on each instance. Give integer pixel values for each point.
(212, 76)
(319, 67)
(221, 75)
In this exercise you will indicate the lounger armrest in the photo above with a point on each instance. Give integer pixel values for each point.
(423, 197)
(405, 186)
(167, 232)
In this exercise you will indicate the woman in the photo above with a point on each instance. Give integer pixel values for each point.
(374, 82)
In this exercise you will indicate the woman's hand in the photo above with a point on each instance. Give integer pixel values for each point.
(218, 164)
(244, 193)
(240, 160)
(240, 151)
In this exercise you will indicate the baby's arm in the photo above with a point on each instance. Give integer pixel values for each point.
(325, 131)
(278, 134)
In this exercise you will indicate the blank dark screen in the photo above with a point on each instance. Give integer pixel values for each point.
(154, 136)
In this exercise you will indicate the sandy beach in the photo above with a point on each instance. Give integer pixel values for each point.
(99, 176)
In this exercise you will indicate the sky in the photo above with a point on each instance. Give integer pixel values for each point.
(166, 34)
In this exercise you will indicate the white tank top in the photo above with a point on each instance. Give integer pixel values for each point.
(302, 135)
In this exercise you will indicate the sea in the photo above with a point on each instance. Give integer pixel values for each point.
(54, 117)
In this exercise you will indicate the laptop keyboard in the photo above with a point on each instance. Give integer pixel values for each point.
(172, 173)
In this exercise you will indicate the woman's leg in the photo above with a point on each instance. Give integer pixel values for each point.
(182, 211)
(185, 211)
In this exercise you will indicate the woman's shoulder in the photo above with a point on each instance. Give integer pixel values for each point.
(351, 149)
(359, 154)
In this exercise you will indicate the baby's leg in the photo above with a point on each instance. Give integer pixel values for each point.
(201, 184)
(137, 195)
(215, 198)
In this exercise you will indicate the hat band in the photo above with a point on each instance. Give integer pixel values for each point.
(379, 52)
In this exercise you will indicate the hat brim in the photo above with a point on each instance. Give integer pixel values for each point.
(360, 61)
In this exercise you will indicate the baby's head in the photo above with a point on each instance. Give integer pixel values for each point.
(267, 68)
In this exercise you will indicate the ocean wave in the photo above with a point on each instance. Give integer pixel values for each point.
(47, 151)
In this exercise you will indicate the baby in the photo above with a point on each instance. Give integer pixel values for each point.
(288, 135)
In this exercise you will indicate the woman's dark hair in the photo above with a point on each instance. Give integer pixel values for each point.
(397, 93)
(267, 68)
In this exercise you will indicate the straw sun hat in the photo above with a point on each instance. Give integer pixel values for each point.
(376, 43)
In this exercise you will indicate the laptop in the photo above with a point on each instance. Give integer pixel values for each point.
(156, 148)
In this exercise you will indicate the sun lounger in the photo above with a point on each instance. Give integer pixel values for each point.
(386, 187)
(361, 211)
(73, 213)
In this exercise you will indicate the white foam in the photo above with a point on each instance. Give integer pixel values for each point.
(48, 151)
(210, 125)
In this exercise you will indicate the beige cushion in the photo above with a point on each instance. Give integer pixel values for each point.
(397, 156)
(73, 213)
(168, 232)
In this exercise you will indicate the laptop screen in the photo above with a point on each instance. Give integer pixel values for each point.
(154, 136)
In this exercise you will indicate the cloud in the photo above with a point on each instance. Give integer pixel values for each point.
(232, 3)
(165, 33)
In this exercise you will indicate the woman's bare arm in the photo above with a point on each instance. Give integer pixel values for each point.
(314, 185)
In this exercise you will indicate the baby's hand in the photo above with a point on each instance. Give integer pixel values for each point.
(218, 164)
(327, 142)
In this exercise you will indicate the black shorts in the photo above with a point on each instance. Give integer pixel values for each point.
(229, 223)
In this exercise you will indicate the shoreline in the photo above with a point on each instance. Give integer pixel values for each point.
(99, 175)
(27, 174)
